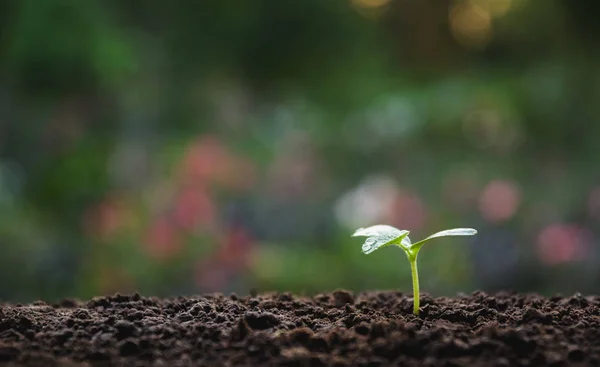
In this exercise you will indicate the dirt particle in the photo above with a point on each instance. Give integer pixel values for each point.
(576, 354)
(318, 344)
(301, 335)
(23, 323)
(98, 355)
(125, 329)
(377, 330)
(342, 297)
(121, 298)
(362, 328)
(533, 314)
(8, 353)
(339, 361)
(241, 330)
(98, 302)
(502, 362)
(63, 335)
(201, 306)
(267, 305)
(261, 320)
(184, 316)
(70, 322)
(67, 303)
(295, 353)
(134, 316)
(322, 298)
(128, 347)
(286, 297)
(81, 314)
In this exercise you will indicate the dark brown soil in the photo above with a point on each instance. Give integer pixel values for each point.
(334, 329)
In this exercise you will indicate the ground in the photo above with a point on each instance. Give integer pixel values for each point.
(332, 329)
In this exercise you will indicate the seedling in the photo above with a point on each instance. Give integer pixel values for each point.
(383, 235)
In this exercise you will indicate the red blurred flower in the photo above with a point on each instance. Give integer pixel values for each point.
(236, 248)
(561, 243)
(162, 241)
(204, 160)
(208, 161)
(194, 208)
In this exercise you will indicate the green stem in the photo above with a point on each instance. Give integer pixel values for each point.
(415, 280)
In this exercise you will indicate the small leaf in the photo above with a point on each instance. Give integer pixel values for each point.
(454, 232)
(380, 236)
(449, 232)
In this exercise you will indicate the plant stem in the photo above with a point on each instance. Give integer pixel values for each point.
(415, 280)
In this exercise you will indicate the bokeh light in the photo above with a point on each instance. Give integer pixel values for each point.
(562, 243)
(370, 3)
(371, 202)
(499, 201)
(471, 24)
(497, 8)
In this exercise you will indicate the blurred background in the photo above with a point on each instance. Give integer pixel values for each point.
(183, 147)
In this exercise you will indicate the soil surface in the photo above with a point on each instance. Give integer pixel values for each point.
(333, 329)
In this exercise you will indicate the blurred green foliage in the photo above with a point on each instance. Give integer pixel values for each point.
(179, 147)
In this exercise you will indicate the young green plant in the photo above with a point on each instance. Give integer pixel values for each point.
(383, 235)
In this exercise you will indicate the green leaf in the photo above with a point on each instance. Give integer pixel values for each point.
(446, 233)
(382, 235)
